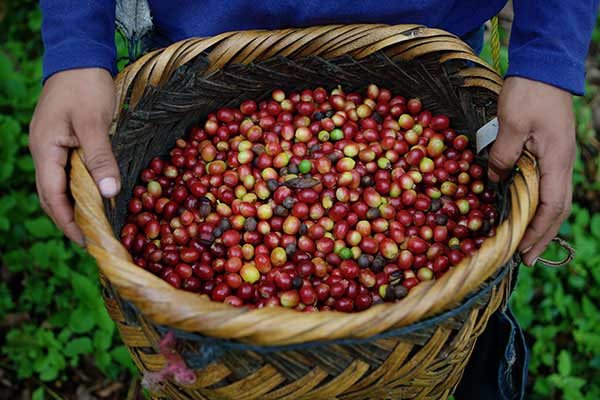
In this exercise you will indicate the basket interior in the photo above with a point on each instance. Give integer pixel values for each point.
(165, 114)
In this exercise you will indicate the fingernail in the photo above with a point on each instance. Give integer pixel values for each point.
(533, 262)
(526, 250)
(108, 187)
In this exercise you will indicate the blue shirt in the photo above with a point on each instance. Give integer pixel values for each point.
(549, 39)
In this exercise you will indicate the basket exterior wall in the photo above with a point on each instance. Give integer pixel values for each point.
(425, 365)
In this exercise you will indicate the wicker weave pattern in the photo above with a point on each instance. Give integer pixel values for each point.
(169, 89)
(425, 365)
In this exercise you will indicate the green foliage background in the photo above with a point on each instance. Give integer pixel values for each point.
(54, 284)
(49, 280)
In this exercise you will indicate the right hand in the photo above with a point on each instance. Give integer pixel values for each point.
(524, 110)
(75, 109)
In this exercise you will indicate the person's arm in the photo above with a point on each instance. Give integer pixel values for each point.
(548, 47)
(76, 105)
(550, 40)
(78, 34)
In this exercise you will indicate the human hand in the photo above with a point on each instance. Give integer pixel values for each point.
(75, 109)
(537, 117)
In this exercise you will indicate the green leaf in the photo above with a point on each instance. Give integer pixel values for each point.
(564, 363)
(85, 289)
(50, 366)
(25, 163)
(35, 21)
(590, 311)
(595, 225)
(122, 356)
(575, 383)
(7, 203)
(49, 373)
(102, 340)
(28, 202)
(61, 270)
(77, 346)
(588, 340)
(9, 131)
(103, 362)
(4, 224)
(64, 335)
(586, 247)
(6, 300)
(61, 318)
(41, 228)
(82, 320)
(38, 394)
(565, 229)
(105, 324)
(547, 359)
(50, 255)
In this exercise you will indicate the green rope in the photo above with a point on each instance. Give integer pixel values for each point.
(495, 43)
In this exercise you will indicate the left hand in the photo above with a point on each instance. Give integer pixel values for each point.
(537, 117)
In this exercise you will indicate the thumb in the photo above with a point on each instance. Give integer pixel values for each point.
(98, 156)
(505, 151)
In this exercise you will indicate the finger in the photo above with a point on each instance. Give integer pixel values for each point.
(531, 257)
(506, 150)
(98, 155)
(51, 182)
(60, 209)
(554, 207)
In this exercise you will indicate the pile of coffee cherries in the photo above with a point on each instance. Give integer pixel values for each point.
(313, 201)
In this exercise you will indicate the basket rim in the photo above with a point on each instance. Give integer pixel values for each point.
(503, 273)
(154, 297)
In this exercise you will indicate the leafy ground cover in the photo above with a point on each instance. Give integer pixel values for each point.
(56, 338)
(57, 341)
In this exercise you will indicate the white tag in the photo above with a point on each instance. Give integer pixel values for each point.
(486, 134)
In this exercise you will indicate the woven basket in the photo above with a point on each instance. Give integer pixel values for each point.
(416, 348)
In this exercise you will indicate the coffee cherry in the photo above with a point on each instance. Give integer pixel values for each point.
(311, 200)
(308, 295)
(289, 299)
(220, 292)
(250, 273)
(344, 305)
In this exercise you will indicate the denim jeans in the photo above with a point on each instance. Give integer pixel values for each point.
(497, 369)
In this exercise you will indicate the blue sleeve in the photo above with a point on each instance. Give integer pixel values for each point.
(78, 34)
(550, 39)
